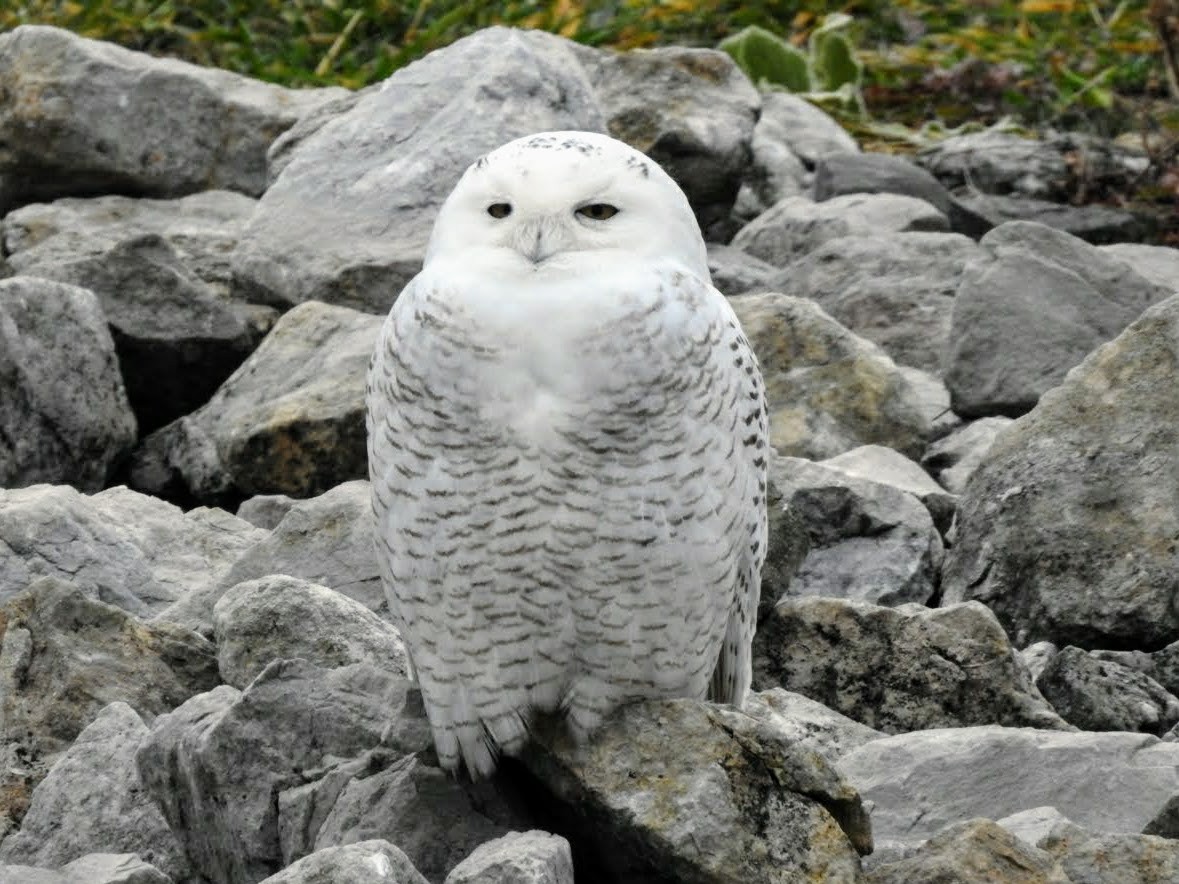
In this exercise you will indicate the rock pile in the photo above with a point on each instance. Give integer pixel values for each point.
(967, 664)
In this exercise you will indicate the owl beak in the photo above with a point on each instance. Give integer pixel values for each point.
(539, 239)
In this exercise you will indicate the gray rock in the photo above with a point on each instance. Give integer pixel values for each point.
(1102, 695)
(786, 548)
(868, 541)
(533, 857)
(1022, 319)
(1036, 657)
(280, 617)
(1111, 858)
(347, 218)
(176, 340)
(113, 868)
(899, 669)
(1159, 264)
(1066, 530)
(796, 225)
(290, 420)
(972, 852)
(841, 173)
(809, 724)
(92, 802)
(690, 110)
(121, 547)
(1000, 162)
(1166, 822)
(879, 463)
(64, 415)
(774, 173)
(32, 875)
(88, 117)
(932, 400)
(326, 539)
(954, 458)
(217, 764)
(923, 781)
(266, 510)
(419, 806)
(64, 657)
(735, 273)
(894, 289)
(1033, 824)
(1093, 224)
(736, 800)
(829, 390)
(366, 862)
(808, 132)
(202, 228)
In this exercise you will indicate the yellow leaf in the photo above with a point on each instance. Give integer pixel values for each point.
(1048, 5)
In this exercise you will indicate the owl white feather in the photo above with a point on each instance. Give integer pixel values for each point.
(567, 448)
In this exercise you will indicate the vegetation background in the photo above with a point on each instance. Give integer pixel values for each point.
(930, 66)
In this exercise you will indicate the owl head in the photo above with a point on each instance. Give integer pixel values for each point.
(557, 203)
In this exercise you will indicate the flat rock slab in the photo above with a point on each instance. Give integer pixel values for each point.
(85, 117)
(347, 218)
(1067, 529)
(899, 669)
(923, 781)
(64, 414)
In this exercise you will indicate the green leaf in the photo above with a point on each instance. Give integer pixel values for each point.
(767, 58)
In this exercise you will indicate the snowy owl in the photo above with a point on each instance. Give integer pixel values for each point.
(567, 446)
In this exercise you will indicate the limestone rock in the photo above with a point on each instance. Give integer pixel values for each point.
(866, 540)
(796, 225)
(280, 617)
(809, 724)
(533, 857)
(1023, 318)
(736, 273)
(1093, 223)
(896, 289)
(92, 802)
(86, 117)
(64, 657)
(1066, 531)
(1159, 264)
(118, 546)
(347, 218)
(736, 800)
(217, 764)
(1102, 695)
(64, 415)
(923, 781)
(899, 669)
(289, 420)
(365, 862)
(879, 463)
(828, 390)
(266, 510)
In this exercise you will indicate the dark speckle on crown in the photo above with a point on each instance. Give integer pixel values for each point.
(553, 142)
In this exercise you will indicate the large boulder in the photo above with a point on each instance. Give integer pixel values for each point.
(289, 420)
(899, 669)
(1159, 264)
(1030, 311)
(64, 414)
(1067, 530)
(533, 857)
(347, 219)
(365, 862)
(93, 802)
(83, 117)
(683, 791)
(118, 546)
(895, 289)
(828, 390)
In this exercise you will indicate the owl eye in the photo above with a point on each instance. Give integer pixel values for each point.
(499, 210)
(598, 211)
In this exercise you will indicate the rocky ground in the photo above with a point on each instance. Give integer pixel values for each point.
(966, 667)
